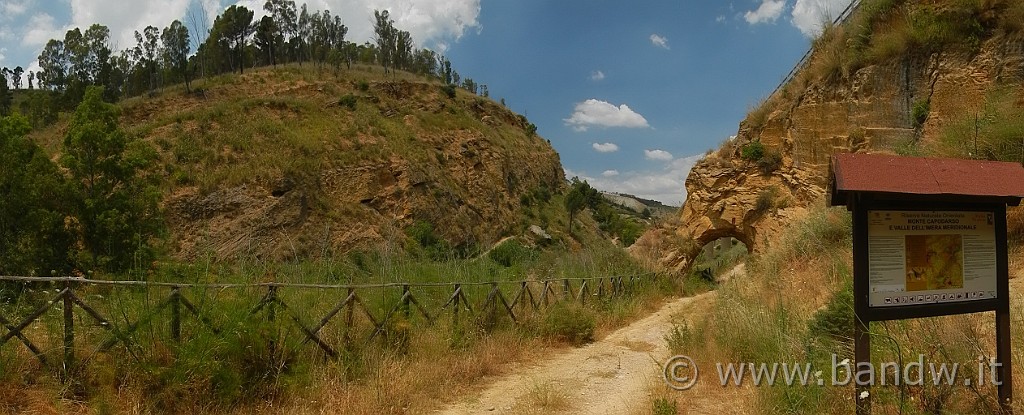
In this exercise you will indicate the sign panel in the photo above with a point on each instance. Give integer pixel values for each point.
(928, 257)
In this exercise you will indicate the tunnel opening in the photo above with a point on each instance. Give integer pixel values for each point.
(717, 258)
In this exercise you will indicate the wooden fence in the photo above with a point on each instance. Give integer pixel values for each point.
(424, 302)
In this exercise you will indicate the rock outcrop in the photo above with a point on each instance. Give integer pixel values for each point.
(870, 110)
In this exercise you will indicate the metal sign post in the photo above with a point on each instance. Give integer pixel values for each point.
(929, 239)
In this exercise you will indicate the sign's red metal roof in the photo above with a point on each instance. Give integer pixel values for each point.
(883, 173)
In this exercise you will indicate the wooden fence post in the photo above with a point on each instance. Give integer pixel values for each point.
(69, 331)
(271, 300)
(271, 315)
(176, 314)
(582, 296)
(348, 318)
(455, 297)
(405, 301)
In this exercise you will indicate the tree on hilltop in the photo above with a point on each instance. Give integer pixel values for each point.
(174, 51)
(235, 26)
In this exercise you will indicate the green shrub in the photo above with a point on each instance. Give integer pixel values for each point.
(836, 320)
(665, 406)
(541, 193)
(919, 113)
(752, 151)
(531, 129)
(510, 253)
(348, 101)
(569, 323)
(449, 91)
(435, 248)
(422, 232)
(765, 200)
(362, 85)
(525, 200)
(682, 339)
(767, 160)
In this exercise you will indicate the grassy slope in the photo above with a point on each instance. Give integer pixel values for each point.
(335, 137)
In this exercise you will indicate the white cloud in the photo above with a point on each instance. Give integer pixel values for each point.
(606, 147)
(610, 173)
(13, 8)
(659, 41)
(2, 56)
(123, 18)
(720, 18)
(657, 155)
(40, 29)
(666, 185)
(432, 23)
(32, 67)
(593, 112)
(768, 12)
(809, 15)
(596, 76)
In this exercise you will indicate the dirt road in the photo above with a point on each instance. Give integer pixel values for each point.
(612, 376)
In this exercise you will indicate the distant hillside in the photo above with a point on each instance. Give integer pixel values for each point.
(638, 205)
(290, 162)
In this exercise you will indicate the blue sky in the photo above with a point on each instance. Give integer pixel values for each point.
(630, 93)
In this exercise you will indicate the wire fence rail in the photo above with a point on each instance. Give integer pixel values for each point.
(348, 306)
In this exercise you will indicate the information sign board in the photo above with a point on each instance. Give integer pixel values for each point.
(927, 257)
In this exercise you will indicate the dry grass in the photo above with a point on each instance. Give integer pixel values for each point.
(830, 62)
(419, 382)
(757, 116)
(544, 398)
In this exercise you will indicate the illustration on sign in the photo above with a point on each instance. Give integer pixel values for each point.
(922, 257)
(934, 262)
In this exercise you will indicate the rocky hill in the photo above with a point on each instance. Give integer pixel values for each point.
(290, 162)
(637, 205)
(939, 78)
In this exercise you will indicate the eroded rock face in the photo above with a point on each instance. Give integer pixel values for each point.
(727, 198)
(869, 111)
(470, 197)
